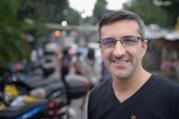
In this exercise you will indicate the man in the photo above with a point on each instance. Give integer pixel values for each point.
(133, 92)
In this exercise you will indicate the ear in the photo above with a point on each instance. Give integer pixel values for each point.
(144, 46)
(144, 43)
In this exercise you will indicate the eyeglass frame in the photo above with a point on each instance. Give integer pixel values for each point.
(122, 41)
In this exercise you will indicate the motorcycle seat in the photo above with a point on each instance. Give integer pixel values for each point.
(40, 83)
(20, 111)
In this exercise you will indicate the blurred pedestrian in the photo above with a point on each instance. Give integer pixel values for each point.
(89, 71)
(90, 68)
(133, 92)
(65, 63)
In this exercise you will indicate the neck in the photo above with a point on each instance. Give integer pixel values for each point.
(123, 89)
(132, 83)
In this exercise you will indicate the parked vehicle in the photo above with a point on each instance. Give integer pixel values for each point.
(55, 90)
(52, 91)
(77, 86)
(35, 109)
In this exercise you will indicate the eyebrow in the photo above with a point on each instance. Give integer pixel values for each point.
(126, 36)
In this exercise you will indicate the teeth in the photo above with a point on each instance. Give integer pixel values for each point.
(121, 61)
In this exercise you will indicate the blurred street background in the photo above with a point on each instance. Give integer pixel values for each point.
(49, 51)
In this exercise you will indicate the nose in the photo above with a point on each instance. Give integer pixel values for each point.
(119, 50)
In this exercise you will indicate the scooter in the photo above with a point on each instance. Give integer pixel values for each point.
(53, 92)
(35, 109)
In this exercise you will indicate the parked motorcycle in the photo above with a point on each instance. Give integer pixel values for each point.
(36, 109)
(53, 92)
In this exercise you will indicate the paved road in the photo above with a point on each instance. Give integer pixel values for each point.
(79, 113)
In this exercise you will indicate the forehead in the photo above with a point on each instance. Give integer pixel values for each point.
(120, 28)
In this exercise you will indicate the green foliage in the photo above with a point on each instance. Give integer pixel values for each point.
(12, 47)
(47, 11)
(149, 12)
(50, 10)
(71, 16)
(99, 9)
(172, 10)
(14, 23)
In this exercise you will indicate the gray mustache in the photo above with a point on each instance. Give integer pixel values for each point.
(122, 58)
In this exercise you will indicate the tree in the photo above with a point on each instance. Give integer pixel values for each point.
(71, 16)
(171, 6)
(48, 11)
(15, 14)
(99, 9)
(150, 13)
(42, 12)
(12, 46)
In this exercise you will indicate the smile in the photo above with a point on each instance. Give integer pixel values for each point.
(120, 61)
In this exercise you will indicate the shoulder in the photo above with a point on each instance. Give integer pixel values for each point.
(163, 81)
(166, 85)
(98, 91)
(100, 87)
(168, 93)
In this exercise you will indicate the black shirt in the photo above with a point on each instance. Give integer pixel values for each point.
(158, 98)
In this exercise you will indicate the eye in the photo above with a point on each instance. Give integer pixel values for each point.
(108, 41)
(129, 40)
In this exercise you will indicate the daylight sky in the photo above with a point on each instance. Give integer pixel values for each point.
(87, 6)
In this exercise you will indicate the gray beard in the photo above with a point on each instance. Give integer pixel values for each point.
(126, 76)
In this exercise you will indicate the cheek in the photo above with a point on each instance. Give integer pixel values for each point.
(106, 54)
(142, 52)
(136, 55)
(141, 49)
(140, 55)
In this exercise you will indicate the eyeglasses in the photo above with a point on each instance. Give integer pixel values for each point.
(126, 41)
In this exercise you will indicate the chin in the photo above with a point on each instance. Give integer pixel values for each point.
(119, 75)
(122, 74)
(122, 77)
